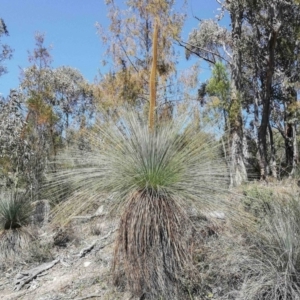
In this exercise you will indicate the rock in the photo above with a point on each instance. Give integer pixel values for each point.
(86, 264)
(217, 215)
(99, 211)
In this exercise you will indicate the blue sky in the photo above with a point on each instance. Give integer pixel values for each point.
(69, 26)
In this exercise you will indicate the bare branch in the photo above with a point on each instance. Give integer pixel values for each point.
(203, 49)
(225, 50)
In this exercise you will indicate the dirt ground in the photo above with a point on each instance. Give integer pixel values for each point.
(81, 273)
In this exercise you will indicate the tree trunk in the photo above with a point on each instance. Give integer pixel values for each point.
(273, 153)
(295, 151)
(262, 141)
(291, 148)
(237, 147)
(262, 133)
(237, 143)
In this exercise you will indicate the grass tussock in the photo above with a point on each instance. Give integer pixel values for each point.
(274, 259)
(15, 236)
(155, 179)
(14, 242)
(15, 210)
(259, 261)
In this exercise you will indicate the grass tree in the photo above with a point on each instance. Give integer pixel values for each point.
(155, 177)
(15, 213)
(156, 173)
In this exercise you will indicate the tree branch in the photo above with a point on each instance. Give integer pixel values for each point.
(225, 50)
(181, 43)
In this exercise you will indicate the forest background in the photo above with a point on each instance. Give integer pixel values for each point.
(237, 71)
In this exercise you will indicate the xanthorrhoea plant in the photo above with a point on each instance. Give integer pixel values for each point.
(15, 213)
(156, 176)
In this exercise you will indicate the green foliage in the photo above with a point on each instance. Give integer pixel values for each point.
(15, 210)
(258, 200)
(218, 88)
(219, 83)
(5, 50)
(176, 160)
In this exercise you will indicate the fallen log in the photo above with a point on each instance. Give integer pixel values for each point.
(24, 277)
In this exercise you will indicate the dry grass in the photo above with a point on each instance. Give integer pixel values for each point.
(274, 259)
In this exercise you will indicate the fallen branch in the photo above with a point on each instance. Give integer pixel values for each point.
(65, 264)
(88, 297)
(98, 213)
(84, 251)
(87, 217)
(89, 248)
(26, 276)
(4, 283)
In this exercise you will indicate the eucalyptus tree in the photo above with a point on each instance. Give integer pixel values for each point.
(73, 96)
(218, 86)
(261, 49)
(284, 106)
(269, 50)
(15, 152)
(215, 44)
(36, 86)
(56, 102)
(5, 50)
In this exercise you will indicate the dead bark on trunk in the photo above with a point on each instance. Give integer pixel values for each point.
(295, 151)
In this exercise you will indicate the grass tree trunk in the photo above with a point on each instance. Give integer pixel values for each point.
(153, 78)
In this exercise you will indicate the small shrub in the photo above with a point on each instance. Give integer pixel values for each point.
(39, 251)
(63, 236)
(257, 200)
(219, 261)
